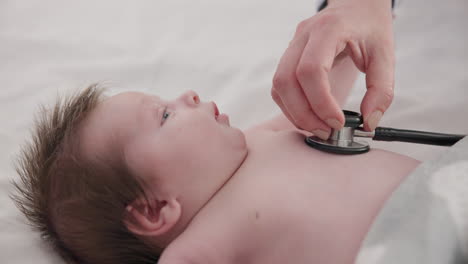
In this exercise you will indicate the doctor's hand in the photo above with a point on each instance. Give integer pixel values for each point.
(360, 29)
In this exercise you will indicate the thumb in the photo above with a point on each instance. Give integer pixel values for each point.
(379, 82)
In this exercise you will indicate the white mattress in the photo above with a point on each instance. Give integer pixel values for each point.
(227, 51)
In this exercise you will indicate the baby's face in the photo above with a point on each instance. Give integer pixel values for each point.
(182, 144)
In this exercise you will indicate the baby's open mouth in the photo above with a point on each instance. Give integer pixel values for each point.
(216, 110)
(222, 118)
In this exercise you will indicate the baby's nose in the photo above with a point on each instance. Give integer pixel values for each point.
(191, 98)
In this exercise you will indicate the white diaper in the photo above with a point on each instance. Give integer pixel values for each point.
(425, 220)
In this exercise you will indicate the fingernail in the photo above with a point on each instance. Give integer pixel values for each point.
(322, 134)
(334, 123)
(374, 119)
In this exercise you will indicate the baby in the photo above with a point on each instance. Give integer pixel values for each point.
(134, 178)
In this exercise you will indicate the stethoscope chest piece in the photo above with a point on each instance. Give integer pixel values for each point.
(338, 147)
(342, 141)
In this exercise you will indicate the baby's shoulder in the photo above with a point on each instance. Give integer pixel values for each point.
(187, 249)
(258, 135)
(179, 253)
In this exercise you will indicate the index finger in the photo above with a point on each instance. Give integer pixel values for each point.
(312, 73)
(287, 89)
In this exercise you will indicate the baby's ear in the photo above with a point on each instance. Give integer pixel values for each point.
(153, 218)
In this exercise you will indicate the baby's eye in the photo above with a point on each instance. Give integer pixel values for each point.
(165, 115)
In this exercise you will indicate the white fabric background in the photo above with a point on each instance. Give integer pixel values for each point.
(227, 51)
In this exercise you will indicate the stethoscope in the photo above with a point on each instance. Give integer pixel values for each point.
(342, 141)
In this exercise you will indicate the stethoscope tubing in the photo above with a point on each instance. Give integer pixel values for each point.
(414, 136)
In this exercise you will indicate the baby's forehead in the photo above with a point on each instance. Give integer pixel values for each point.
(126, 102)
(113, 119)
(132, 97)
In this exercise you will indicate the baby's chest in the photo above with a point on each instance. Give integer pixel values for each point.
(312, 198)
(283, 157)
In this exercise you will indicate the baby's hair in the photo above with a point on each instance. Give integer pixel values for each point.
(77, 203)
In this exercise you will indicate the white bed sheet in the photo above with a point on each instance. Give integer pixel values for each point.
(225, 50)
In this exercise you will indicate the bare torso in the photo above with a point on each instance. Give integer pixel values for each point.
(289, 203)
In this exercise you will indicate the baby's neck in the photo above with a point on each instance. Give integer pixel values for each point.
(193, 206)
(215, 217)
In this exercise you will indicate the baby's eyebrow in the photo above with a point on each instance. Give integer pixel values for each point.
(157, 98)
(151, 100)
